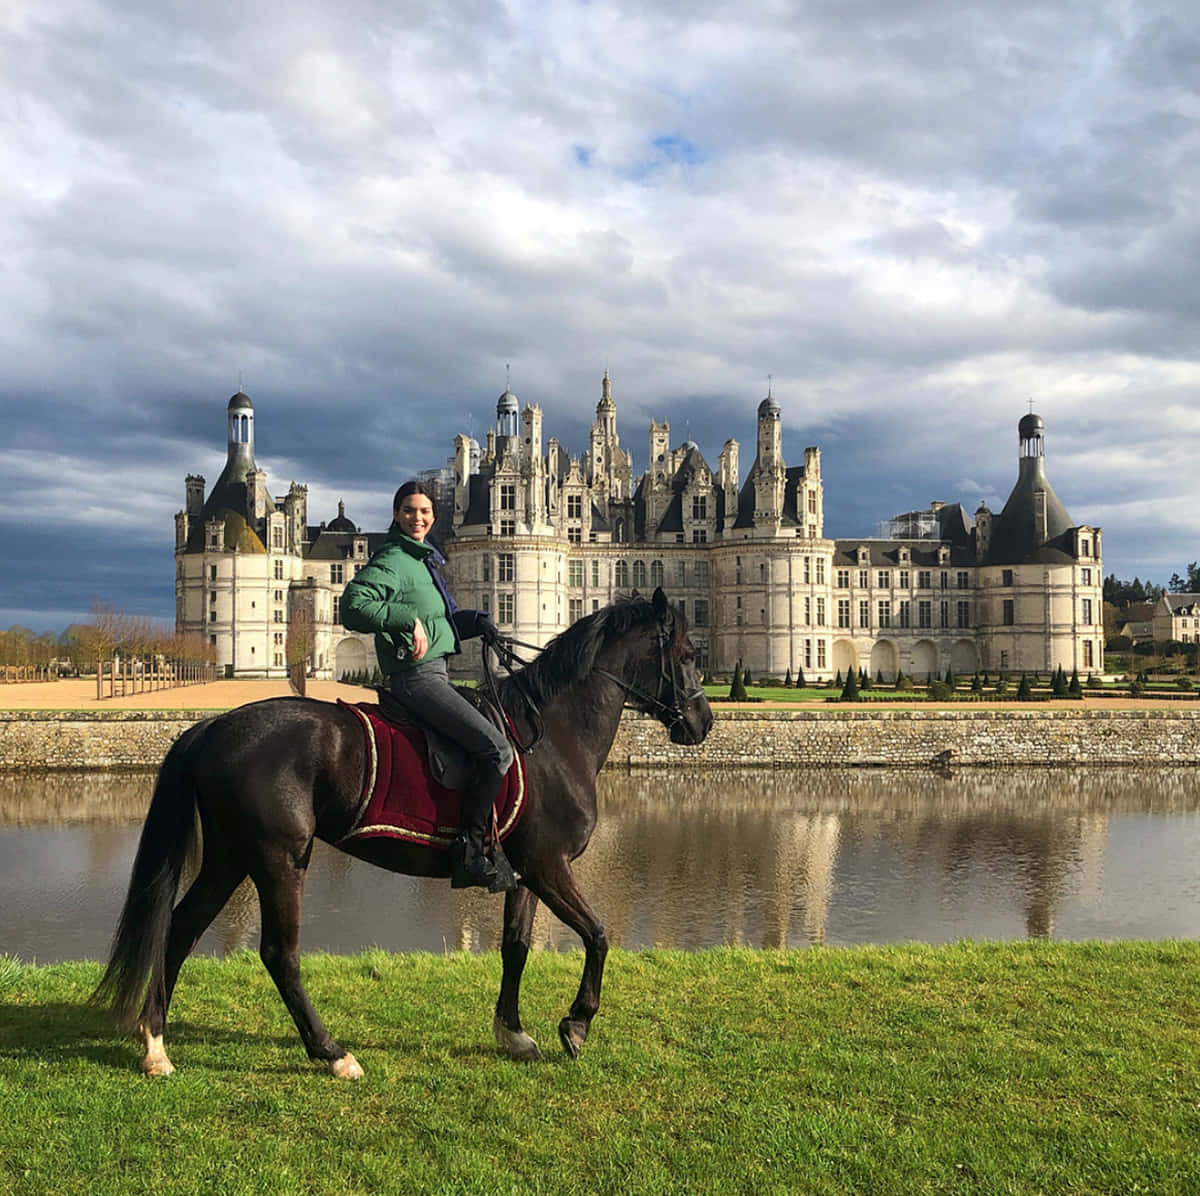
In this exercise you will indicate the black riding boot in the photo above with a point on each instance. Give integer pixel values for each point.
(470, 864)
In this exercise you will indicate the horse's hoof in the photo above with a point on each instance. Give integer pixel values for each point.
(518, 1044)
(572, 1035)
(157, 1065)
(345, 1068)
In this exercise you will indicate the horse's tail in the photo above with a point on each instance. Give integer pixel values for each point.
(140, 942)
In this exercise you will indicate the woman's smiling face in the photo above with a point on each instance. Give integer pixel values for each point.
(415, 515)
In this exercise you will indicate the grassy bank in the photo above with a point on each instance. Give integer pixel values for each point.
(1057, 1068)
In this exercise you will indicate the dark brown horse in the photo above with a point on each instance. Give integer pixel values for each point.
(270, 777)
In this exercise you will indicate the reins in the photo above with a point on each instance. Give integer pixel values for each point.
(672, 713)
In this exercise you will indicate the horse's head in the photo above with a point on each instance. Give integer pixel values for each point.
(679, 702)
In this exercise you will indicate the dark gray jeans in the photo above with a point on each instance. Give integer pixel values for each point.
(426, 691)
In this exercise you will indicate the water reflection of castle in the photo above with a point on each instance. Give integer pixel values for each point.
(764, 858)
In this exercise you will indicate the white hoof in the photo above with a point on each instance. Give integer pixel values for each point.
(345, 1068)
(154, 1061)
(519, 1045)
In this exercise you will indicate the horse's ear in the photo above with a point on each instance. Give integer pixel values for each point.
(661, 606)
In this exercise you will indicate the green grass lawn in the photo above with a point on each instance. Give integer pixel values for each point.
(975, 1068)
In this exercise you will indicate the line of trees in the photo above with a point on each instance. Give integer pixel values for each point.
(126, 653)
(1120, 592)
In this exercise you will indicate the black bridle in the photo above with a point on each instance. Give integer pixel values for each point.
(670, 677)
(669, 713)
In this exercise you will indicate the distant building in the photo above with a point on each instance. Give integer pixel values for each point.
(540, 538)
(1177, 617)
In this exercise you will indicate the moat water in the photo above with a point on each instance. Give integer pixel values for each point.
(693, 860)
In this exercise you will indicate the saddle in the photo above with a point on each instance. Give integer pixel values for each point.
(412, 777)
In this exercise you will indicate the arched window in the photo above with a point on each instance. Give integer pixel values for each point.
(639, 575)
(621, 575)
(656, 573)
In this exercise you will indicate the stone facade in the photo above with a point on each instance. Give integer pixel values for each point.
(836, 737)
(540, 538)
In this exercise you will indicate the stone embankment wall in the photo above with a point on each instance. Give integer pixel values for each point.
(739, 738)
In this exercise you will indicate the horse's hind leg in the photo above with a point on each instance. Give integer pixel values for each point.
(557, 888)
(280, 886)
(205, 898)
(519, 907)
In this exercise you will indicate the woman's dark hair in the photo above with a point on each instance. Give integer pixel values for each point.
(414, 487)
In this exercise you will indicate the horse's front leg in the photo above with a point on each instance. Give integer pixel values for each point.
(519, 907)
(562, 896)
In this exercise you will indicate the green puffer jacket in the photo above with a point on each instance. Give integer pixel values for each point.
(394, 589)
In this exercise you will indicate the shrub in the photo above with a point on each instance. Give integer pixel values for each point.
(904, 684)
(940, 691)
(1024, 690)
(1094, 682)
(1002, 684)
(1075, 689)
(800, 682)
(1137, 687)
(1058, 685)
(1184, 683)
(737, 687)
(787, 678)
(850, 689)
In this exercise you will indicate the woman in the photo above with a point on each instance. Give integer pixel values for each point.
(400, 596)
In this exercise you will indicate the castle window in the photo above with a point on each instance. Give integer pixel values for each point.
(964, 580)
(574, 535)
(864, 613)
(945, 614)
(964, 614)
(212, 573)
(1009, 613)
(574, 506)
(1085, 577)
(812, 502)
(639, 575)
(508, 527)
(277, 537)
(1087, 654)
(699, 535)
(505, 566)
(843, 612)
(278, 570)
(820, 571)
(700, 573)
(820, 612)
(820, 654)
(905, 613)
(807, 611)
(595, 573)
(883, 578)
(701, 609)
(924, 579)
(807, 574)
(905, 579)
(863, 579)
(843, 579)
(1086, 611)
(1085, 548)
(575, 573)
(699, 506)
(925, 613)
(1006, 577)
(337, 608)
(336, 575)
(621, 575)
(574, 609)
(656, 573)
(885, 613)
(504, 609)
(508, 496)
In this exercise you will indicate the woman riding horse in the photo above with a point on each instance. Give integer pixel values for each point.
(400, 596)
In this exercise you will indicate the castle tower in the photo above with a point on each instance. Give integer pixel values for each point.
(769, 470)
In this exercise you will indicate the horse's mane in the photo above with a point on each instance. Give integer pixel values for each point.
(571, 655)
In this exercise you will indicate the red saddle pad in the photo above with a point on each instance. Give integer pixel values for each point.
(401, 800)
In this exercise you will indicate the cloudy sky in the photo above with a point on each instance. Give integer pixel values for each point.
(914, 217)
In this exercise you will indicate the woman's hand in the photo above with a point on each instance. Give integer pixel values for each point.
(420, 641)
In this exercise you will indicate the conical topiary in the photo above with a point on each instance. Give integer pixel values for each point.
(850, 689)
